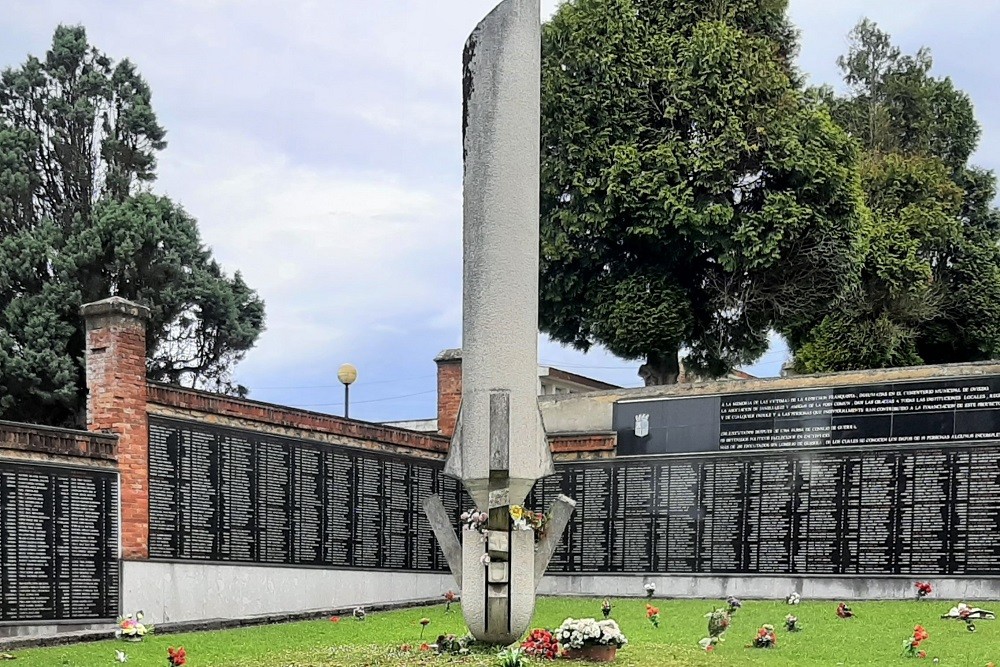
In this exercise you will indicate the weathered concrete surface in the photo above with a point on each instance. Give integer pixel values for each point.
(173, 592)
(946, 590)
(444, 531)
(499, 447)
(560, 513)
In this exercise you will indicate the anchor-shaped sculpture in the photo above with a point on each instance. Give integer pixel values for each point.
(499, 449)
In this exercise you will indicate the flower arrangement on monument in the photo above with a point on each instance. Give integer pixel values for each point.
(765, 638)
(793, 598)
(131, 628)
(606, 607)
(923, 589)
(474, 520)
(576, 633)
(792, 623)
(843, 611)
(653, 615)
(525, 519)
(176, 657)
(650, 589)
(449, 597)
(541, 644)
(911, 647)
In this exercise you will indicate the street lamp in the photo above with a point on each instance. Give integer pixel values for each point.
(347, 374)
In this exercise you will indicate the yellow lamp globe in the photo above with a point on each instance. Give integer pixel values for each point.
(347, 374)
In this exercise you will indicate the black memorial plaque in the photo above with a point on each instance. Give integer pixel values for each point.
(229, 495)
(903, 413)
(58, 544)
(917, 511)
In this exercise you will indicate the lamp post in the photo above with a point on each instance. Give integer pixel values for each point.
(347, 374)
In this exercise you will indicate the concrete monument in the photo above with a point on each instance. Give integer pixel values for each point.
(499, 449)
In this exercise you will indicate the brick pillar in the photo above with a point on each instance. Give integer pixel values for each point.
(116, 403)
(449, 390)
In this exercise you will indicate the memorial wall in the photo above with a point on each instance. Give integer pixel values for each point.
(58, 544)
(894, 479)
(230, 495)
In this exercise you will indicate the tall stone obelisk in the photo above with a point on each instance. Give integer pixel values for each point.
(499, 449)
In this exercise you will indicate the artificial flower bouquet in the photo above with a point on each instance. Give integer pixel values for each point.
(541, 644)
(131, 628)
(653, 615)
(474, 520)
(765, 637)
(793, 598)
(650, 589)
(911, 647)
(176, 657)
(923, 589)
(792, 623)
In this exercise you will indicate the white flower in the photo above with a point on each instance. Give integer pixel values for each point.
(485, 559)
(120, 656)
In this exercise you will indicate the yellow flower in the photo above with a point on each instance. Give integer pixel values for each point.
(516, 512)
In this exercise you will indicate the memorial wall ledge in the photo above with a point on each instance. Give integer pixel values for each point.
(791, 382)
(35, 443)
(289, 422)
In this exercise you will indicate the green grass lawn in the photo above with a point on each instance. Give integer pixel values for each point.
(874, 637)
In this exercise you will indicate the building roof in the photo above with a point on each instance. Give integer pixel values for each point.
(455, 354)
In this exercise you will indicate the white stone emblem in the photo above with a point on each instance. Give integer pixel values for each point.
(641, 425)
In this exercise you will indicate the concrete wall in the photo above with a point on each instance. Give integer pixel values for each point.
(946, 590)
(174, 592)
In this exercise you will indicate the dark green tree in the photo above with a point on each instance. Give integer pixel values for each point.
(78, 143)
(693, 196)
(930, 288)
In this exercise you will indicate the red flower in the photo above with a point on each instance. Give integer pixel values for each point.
(335, 619)
(651, 611)
(709, 648)
(920, 634)
(922, 654)
(449, 596)
(177, 657)
(405, 648)
(425, 647)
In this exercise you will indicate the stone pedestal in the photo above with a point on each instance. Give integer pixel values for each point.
(504, 588)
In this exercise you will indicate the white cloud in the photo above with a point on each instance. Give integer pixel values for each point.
(336, 255)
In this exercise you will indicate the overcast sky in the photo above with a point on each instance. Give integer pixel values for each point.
(318, 143)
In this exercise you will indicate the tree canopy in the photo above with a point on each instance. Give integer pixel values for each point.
(693, 195)
(78, 145)
(929, 291)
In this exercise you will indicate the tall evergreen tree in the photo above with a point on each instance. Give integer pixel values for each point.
(930, 288)
(78, 144)
(693, 196)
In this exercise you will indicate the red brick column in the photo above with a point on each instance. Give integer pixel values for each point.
(449, 390)
(116, 403)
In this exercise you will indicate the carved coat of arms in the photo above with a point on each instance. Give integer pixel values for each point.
(641, 425)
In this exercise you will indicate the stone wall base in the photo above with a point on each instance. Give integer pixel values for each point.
(947, 590)
(179, 592)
